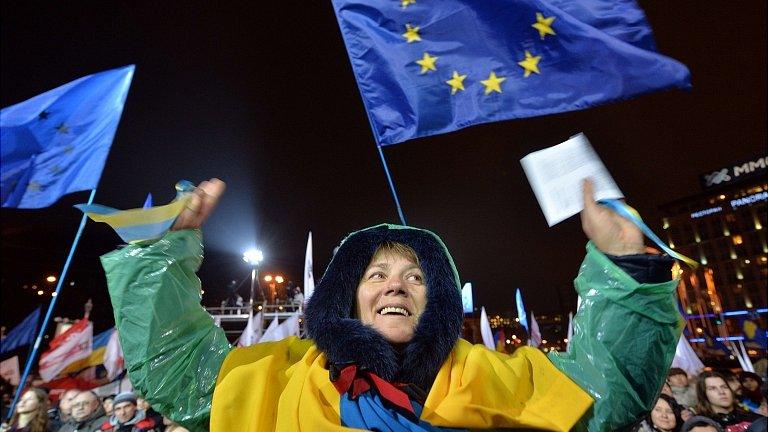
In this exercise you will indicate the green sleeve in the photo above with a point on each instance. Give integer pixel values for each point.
(173, 350)
(624, 338)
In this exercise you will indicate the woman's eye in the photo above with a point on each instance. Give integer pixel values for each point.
(376, 275)
(415, 278)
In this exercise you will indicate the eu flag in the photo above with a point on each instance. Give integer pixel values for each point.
(22, 334)
(57, 142)
(430, 67)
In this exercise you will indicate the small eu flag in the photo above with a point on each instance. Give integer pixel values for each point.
(22, 334)
(57, 142)
(430, 67)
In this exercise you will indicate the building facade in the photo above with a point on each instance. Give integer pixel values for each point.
(724, 228)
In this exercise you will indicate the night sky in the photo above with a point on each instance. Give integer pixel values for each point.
(261, 94)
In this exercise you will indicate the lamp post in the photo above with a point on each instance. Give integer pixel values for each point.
(253, 257)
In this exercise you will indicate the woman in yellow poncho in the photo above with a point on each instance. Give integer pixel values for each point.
(384, 351)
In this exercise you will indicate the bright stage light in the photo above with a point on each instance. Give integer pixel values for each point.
(253, 256)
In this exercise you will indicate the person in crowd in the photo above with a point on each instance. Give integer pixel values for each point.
(701, 424)
(108, 403)
(149, 412)
(128, 417)
(87, 413)
(664, 417)
(718, 402)
(733, 382)
(62, 413)
(752, 392)
(388, 310)
(298, 296)
(31, 414)
(682, 391)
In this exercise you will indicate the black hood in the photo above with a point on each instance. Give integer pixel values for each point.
(344, 339)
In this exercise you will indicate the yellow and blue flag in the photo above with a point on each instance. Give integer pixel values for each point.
(139, 224)
(95, 358)
(430, 67)
(57, 142)
(753, 332)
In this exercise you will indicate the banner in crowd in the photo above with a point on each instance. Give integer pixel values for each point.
(276, 332)
(485, 330)
(252, 332)
(535, 339)
(57, 142)
(114, 360)
(686, 358)
(9, 370)
(309, 277)
(427, 69)
(74, 344)
(95, 358)
(22, 334)
(521, 317)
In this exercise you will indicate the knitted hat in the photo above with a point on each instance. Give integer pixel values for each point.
(700, 421)
(125, 397)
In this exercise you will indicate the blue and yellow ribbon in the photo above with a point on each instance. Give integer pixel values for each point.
(140, 224)
(622, 209)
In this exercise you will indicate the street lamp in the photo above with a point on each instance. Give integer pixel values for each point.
(253, 257)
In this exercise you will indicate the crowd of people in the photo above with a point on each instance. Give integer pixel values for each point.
(85, 411)
(713, 401)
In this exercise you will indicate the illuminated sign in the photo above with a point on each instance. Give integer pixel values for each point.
(734, 173)
(706, 212)
(750, 199)
(466, 298)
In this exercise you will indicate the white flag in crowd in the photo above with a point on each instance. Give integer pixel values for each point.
(686, 358)
(9, 370)
(114, 361)
(271, 331)
(309, 278)
(74, 344)
(485, 330)
(535, 339)
(570, 332)
(252, 332)
(275, 332)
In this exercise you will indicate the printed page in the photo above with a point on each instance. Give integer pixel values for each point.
(556, 173)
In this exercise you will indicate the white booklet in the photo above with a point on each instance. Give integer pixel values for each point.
(556, 175)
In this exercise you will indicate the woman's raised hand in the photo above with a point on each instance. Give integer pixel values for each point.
(611, 233)
(200, 205)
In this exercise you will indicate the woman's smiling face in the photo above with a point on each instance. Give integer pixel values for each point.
(392, 295)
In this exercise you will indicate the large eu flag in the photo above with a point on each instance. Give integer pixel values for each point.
(57, 142)
(426, 67)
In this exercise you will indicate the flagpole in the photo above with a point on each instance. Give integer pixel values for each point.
(51, 306)
(391, 186)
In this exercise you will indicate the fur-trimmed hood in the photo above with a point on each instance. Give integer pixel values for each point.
(344, 339)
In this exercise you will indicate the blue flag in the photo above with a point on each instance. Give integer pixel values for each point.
(753, 332)
(57, 142)
(522, 317)
(426, 68)
(22, 334)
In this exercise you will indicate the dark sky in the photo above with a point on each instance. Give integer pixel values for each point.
(261, 94)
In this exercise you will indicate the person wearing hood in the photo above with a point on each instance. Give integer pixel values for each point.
(384, 350)
(128, 417)
(87, 413)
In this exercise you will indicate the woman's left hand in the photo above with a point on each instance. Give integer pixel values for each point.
(611, 233)
(200, 205)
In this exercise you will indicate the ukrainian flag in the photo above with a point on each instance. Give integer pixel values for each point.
(97, 355)
(139, 224)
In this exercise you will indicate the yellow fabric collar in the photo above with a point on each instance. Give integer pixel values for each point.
(284, 386)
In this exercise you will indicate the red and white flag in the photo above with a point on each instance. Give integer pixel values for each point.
(114, 362)
(72, 345)
(9, 370)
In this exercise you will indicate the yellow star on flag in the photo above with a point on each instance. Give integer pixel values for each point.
(427, 63)
(405, 3)
(543, 25)
(493, 83)
(411, 33)
(530, 64)
(456, 82)
(62, 128)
